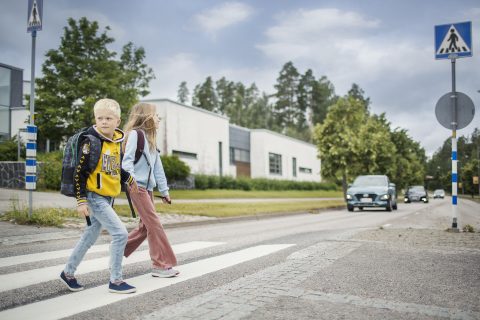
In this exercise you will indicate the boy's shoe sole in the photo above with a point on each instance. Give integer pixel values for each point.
(123, 291)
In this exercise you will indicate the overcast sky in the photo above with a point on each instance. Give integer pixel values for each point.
(385, 46)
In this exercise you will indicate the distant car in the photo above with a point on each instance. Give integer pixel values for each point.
(372, 191)
(439, 193)
(416, 193)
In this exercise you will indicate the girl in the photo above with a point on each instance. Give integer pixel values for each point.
(148, 172)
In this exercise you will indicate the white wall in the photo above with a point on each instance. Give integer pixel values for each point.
(18, 120)
(194, 130)
(263, 142)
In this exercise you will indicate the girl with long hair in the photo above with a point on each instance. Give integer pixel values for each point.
(149, 173)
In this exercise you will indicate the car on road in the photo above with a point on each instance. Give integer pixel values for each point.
(439, 193)
(416, 193)
(372, 191)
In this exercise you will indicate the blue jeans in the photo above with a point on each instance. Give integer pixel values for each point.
(101, 215)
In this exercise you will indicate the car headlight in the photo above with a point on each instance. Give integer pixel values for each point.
(384, 197)
(349, 197)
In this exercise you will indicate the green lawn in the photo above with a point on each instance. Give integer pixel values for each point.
(221, 210)
(240, 194)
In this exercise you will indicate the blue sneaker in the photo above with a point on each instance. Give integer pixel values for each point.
(72, 283)
(123, 287)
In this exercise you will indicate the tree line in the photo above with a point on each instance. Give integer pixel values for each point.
(439, 167)
(299, 101)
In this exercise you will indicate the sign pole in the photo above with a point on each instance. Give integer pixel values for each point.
(34, 24)
(454, 149)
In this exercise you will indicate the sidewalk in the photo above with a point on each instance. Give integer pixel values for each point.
(375, 274)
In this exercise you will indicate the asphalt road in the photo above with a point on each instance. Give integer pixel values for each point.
(331, 265)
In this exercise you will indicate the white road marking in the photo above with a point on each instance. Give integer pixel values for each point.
(70, 304)
(29, 277)
(41, 256)
(386, 225)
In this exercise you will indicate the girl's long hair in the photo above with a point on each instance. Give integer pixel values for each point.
(142, 116)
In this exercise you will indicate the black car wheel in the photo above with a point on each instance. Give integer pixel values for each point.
(349, 208)
(389, 206)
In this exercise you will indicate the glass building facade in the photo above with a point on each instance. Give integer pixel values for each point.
(11, 96)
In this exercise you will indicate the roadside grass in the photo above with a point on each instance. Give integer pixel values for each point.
(241, 194)
(57, 217)
(223, 210)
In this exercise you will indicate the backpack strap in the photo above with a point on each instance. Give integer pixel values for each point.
(140, 145)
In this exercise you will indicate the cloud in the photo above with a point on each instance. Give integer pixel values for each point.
(223, 16)
(171, 71)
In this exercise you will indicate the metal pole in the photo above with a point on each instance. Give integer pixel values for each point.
(454, 149)
(32, 109)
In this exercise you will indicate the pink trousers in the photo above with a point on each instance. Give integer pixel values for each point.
(150, 227)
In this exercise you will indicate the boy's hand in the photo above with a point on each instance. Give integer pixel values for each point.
(166, 199)
(83, 210)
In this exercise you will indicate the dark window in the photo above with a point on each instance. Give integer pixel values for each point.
(294, 166)
(183, 154)
(275, 163)
(305, 170)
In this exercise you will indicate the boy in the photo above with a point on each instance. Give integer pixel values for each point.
(95, 192)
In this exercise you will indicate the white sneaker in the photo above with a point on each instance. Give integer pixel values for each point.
(164, 273)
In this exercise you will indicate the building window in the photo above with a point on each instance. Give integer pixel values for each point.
(305, 170)
(294, 166)
(183, 154)
(275, 163)
(240, 155)
(5, 76)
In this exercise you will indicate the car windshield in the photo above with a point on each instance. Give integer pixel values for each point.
(370, 181)
(416, 188)
(439, 191)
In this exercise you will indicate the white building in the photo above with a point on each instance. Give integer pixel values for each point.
(210, 145)
(199, 137)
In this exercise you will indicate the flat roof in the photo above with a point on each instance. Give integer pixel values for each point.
(187, 106)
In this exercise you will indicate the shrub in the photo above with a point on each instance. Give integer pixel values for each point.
(175, 169)
(9, 150)
(50, 171)
(203, 182)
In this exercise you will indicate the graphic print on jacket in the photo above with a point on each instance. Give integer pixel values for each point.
(105, 179)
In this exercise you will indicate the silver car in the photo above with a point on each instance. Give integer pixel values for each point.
(372, 191)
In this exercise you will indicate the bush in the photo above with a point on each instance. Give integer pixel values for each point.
(50, 171)
(203, 182)
(175, 169)
(9, 150)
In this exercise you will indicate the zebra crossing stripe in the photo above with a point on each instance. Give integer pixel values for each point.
(48, 255)
(29, 277)
(74, 303)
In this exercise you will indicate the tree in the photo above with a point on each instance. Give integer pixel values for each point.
(183, 93)
(287, 111)
(204, 96)
(338, 137)
(225, 94)
(81, 71)
(357, 93)
(323, 96)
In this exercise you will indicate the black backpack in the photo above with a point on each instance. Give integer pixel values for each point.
(71, 157)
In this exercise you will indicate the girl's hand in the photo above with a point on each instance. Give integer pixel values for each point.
(166, 199)
(134, 187)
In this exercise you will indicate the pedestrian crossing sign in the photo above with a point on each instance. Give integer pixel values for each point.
(35, 15)
(453, 40)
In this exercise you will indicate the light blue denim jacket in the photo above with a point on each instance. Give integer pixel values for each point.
(140, 170)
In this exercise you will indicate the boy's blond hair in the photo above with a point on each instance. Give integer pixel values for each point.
(107, 104)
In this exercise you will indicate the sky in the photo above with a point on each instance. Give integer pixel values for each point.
(385, 46)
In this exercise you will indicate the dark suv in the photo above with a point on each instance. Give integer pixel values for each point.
(372, 191)
(416, 193)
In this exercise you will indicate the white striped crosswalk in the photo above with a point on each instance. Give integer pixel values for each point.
(73, 303)
(29, 277)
